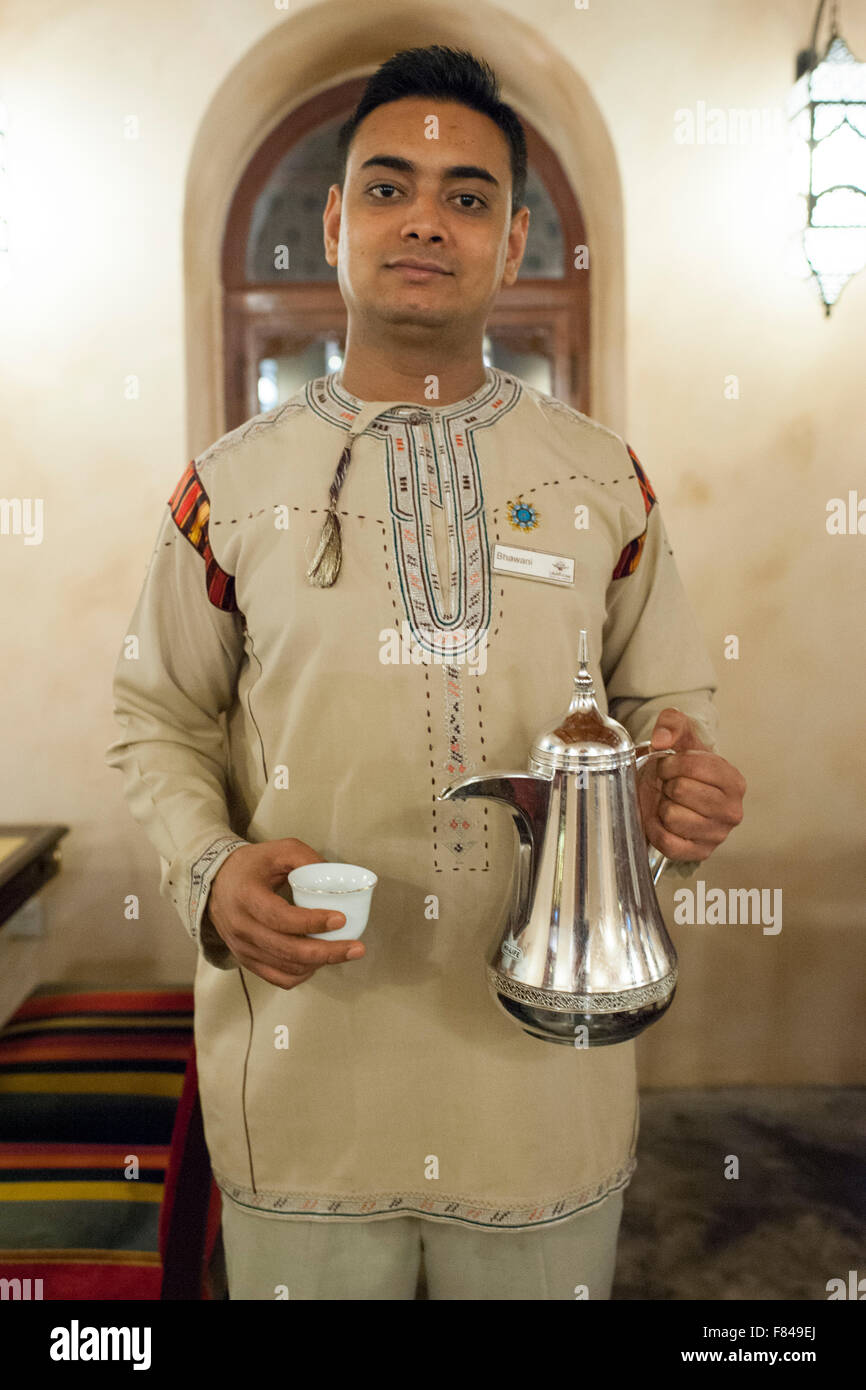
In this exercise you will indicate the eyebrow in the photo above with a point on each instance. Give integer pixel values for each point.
(456, 171)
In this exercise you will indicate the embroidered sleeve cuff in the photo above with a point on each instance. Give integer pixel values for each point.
(188, 882)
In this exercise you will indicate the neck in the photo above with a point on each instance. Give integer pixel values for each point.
(381, 374)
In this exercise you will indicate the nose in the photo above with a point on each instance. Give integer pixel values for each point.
(423, 219)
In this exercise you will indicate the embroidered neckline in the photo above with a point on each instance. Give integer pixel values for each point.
(409, 432)
(342, 407)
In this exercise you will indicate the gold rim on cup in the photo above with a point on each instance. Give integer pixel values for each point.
(362, 889)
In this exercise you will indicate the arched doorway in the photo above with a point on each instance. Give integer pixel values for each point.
(309, 53)
(284, 320)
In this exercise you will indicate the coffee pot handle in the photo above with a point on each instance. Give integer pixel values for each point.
(643, 753)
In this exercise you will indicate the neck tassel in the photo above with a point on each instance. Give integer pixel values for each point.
(328, 559)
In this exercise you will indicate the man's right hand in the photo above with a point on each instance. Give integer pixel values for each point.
(264, 932)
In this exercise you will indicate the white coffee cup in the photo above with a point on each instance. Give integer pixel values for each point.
(346, 888)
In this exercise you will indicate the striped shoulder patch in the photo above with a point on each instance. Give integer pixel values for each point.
(649, 497)
(630, 557)
(189, 505)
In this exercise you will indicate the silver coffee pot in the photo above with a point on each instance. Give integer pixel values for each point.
(584, 958)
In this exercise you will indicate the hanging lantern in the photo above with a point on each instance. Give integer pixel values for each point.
(827, 110)
(828, 117)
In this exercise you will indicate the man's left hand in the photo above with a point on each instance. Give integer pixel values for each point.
(689, 803)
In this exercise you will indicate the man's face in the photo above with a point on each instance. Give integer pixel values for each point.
(458, 221)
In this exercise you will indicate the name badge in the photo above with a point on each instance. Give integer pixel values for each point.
(533, 564)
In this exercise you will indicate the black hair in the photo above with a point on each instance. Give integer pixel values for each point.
(447, 74)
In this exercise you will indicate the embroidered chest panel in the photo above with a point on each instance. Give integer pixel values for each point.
(434, 482)
(434, 485)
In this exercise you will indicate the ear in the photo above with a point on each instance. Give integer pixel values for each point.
(516, 245)
(331, 218)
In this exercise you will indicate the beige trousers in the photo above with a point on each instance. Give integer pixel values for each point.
(267, 1258)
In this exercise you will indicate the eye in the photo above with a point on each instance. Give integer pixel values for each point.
(373, 187)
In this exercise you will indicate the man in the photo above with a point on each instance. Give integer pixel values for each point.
(324, 579)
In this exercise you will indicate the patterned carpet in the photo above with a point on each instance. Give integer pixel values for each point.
(793, 1219)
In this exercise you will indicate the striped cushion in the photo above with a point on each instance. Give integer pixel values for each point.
(89, 1087)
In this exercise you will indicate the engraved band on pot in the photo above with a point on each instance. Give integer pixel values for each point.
(559, 1002)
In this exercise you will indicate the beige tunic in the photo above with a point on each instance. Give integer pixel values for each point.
(403, 1089)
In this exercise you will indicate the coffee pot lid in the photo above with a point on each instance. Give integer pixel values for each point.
(583, 735)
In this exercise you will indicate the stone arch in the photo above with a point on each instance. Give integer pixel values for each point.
(307, 53)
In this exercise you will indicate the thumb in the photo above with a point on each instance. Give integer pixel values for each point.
(288, 854)
(672, 729)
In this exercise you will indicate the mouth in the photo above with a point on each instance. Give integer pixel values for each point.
(418, 274)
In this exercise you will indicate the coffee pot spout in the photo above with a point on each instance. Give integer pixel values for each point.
(527, 796)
